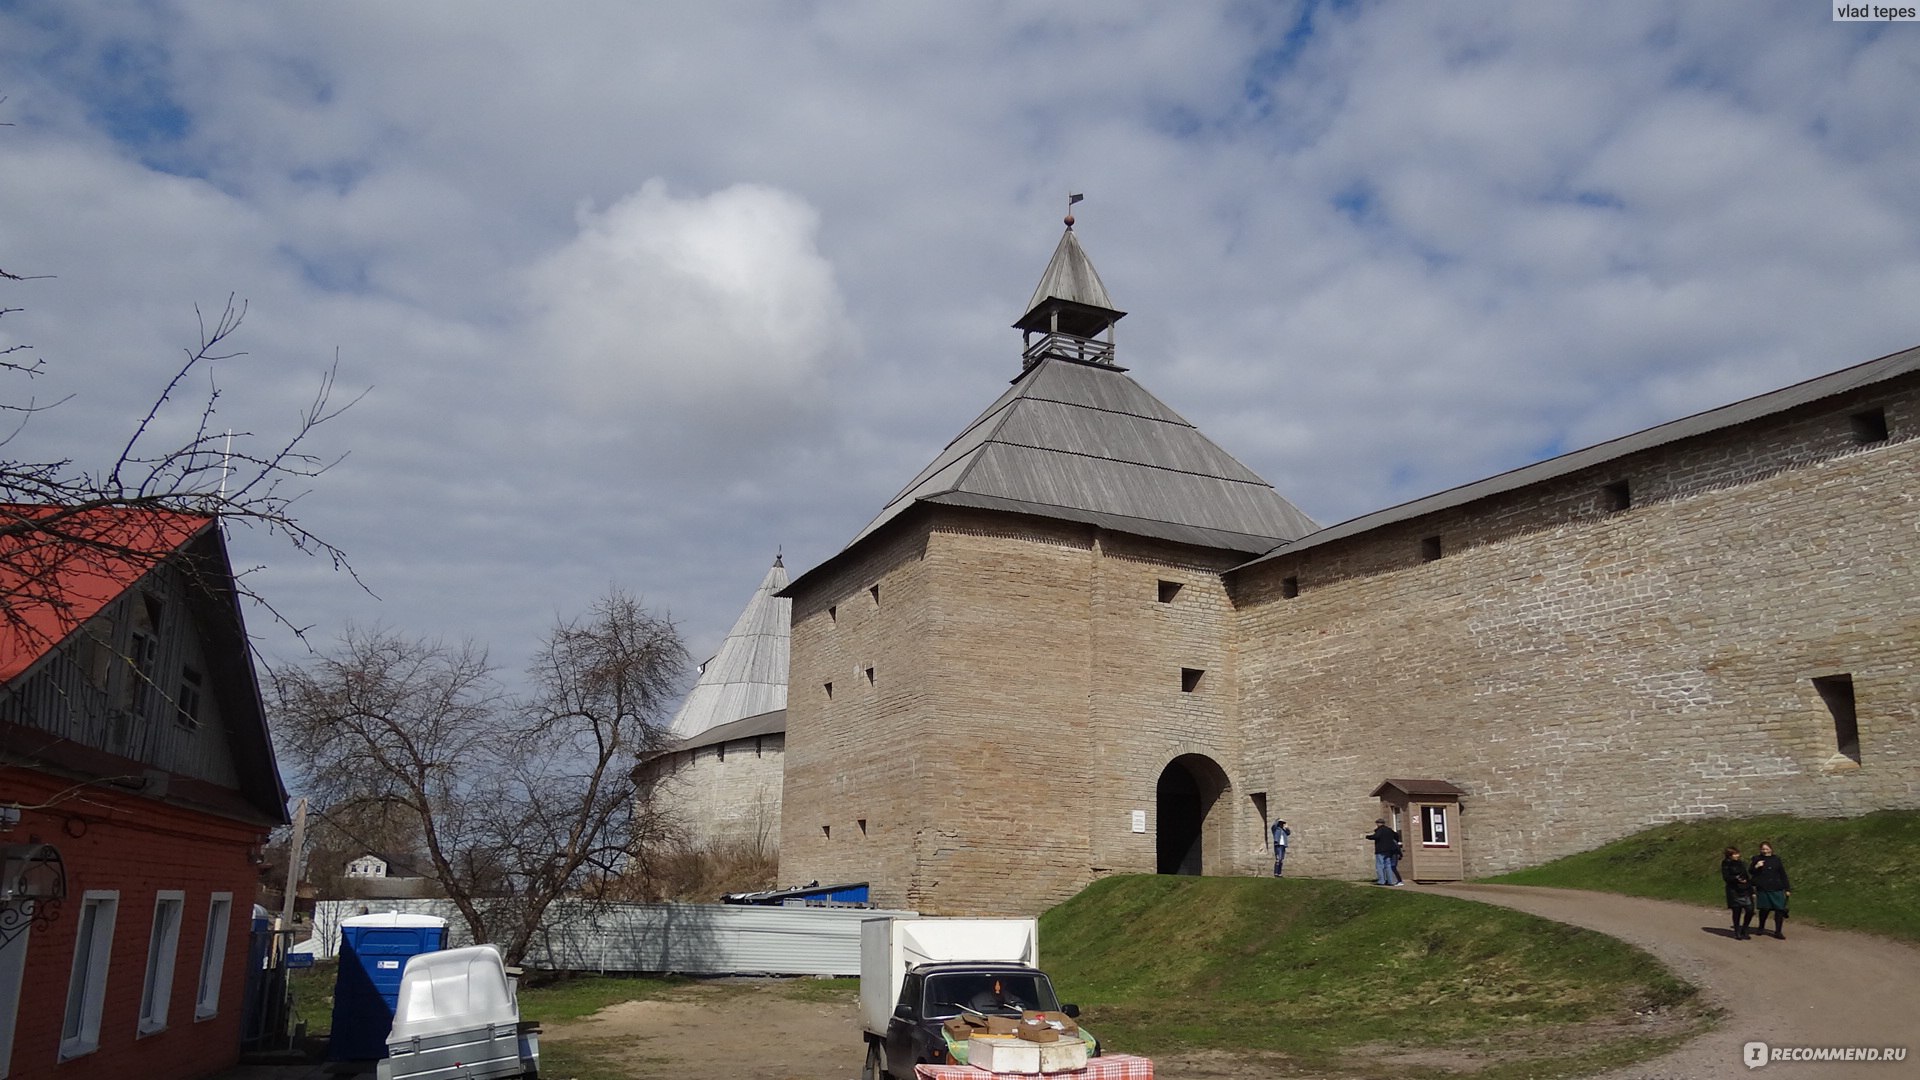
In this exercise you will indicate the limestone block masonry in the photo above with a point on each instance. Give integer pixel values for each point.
(1592, 677)
(727, 794)
(980, 701)
(1027, 694)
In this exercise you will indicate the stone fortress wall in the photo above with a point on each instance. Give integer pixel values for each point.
(723, 795)
(1582, 671)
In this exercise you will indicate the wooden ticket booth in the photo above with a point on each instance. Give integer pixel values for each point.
(1427, 814)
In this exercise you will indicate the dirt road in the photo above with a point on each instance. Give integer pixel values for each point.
(1816, 988)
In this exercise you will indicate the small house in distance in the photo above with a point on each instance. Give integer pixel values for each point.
(385, 876)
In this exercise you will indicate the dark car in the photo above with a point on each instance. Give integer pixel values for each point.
(935, 993)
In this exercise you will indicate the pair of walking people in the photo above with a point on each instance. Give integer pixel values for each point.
(1758, 887)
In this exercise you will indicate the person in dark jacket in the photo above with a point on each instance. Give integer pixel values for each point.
(1386, 848)
(1739, 884)
(1770, 889)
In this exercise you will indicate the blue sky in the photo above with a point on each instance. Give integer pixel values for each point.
(644, 293)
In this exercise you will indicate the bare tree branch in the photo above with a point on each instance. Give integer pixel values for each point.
(517, 802)
(50, 509)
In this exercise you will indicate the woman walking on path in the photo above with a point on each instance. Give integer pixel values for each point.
(1739, 892)
(1770, 889)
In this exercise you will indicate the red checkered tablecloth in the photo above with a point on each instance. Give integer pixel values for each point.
(1104, 1067)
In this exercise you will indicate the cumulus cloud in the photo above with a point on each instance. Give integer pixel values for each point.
(718, 304)
(1373, 250)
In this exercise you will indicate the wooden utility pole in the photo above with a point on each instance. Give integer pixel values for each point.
(296, 856)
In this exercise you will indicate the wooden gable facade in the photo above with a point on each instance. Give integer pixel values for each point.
(134, 751)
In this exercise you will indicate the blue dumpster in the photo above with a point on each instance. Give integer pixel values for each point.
(373, 955)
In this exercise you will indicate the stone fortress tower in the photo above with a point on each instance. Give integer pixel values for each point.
(720, 780)
(1085, 640)
(1028, 640)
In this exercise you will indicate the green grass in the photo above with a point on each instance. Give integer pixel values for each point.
(1355, 981)
(822, 990)
(313, 995)
(1848, 873)
(549, 999)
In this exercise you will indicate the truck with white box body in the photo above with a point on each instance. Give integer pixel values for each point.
(918, 975)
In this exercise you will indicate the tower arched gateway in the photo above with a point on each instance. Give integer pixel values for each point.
(1188, 806)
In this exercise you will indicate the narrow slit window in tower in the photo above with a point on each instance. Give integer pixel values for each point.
(1837, 692)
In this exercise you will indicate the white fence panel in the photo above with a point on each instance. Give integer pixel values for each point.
(690, 939)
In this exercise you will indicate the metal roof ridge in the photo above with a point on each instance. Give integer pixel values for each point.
(1142, 464)
(1178, 421)
(1047, 365)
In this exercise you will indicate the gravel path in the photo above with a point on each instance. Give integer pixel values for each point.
(1816, 988)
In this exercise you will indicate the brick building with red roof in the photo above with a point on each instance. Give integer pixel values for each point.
(137, 780)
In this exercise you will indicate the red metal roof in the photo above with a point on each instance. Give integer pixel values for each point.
(59, 567)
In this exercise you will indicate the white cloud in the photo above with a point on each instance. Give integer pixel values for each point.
(713, 306)
(1576, 223)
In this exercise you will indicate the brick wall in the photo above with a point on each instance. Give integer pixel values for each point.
(113, 841)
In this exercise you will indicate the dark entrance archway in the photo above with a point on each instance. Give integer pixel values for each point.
(1188, 790)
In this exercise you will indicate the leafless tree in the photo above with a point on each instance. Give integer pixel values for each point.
(519, 801)
(51, 510)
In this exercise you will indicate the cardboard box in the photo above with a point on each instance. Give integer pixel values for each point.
(1030, 1058)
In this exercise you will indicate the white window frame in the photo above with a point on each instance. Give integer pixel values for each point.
(213, 955)
(1433, 824)
(163, 945)
(87, 984)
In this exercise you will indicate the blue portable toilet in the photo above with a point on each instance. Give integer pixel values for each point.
(373, 954)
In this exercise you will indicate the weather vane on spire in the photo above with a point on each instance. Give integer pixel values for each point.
(1071, 199)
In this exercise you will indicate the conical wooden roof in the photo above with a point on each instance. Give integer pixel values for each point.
(1085, 442)
(1076, 439)
(748, 676)
(1070, 297)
